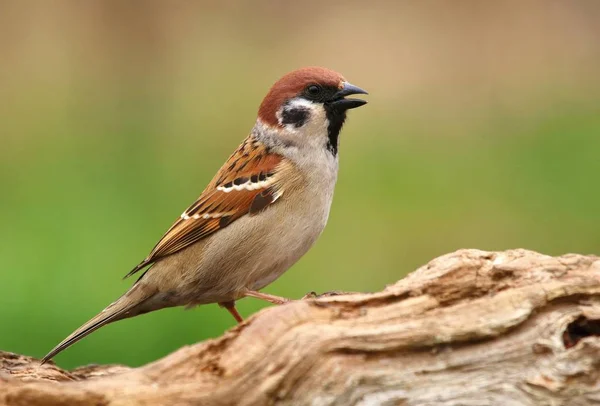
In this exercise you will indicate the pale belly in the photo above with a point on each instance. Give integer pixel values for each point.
(247, 255)
(279, 240)
(251, 252)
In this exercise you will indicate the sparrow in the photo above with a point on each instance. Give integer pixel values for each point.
(261, 213)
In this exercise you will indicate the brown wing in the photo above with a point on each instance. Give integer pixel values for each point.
(246, 184)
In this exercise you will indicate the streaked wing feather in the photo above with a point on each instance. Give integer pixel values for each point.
(249, 175)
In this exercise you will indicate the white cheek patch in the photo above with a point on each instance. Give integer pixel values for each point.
(300, 102)
(295, 113)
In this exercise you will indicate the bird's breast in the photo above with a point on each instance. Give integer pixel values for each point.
(256, 249)
(298, 220)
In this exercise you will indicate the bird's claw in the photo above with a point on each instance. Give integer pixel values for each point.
(310, 295)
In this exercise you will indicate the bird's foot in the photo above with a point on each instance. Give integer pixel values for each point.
(310, 295)
(265, 296)
(278, 300)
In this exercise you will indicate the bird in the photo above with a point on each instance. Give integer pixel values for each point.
(262, 211)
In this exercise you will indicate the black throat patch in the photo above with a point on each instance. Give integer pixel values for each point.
(336, 121)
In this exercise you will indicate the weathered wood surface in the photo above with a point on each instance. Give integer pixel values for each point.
(469, 328)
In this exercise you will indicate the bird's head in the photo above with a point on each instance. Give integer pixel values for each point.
(308, 106)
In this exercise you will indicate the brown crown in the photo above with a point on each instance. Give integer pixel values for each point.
(291, 85)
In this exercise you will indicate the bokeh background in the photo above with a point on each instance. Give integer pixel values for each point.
(482, 131)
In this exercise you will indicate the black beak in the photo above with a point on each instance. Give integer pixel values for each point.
(339, 103)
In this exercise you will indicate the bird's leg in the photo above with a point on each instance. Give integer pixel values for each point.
(230, 306)
(265, 296)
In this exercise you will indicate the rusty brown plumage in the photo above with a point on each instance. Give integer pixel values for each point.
(221, 202)
(292, 84)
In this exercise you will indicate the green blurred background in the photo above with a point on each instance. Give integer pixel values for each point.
(482, 131)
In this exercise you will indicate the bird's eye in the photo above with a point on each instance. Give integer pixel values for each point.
(314, 90)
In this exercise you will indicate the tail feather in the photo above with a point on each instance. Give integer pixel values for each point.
(138, 267)
(128, 305)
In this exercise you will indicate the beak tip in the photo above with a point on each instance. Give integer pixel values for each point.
(347, 90)
(350, 89)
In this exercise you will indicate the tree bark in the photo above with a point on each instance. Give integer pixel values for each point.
(469, 328)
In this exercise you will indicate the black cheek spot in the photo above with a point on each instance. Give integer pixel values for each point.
(295, 116)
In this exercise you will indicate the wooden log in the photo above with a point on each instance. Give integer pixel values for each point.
(469, 328)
